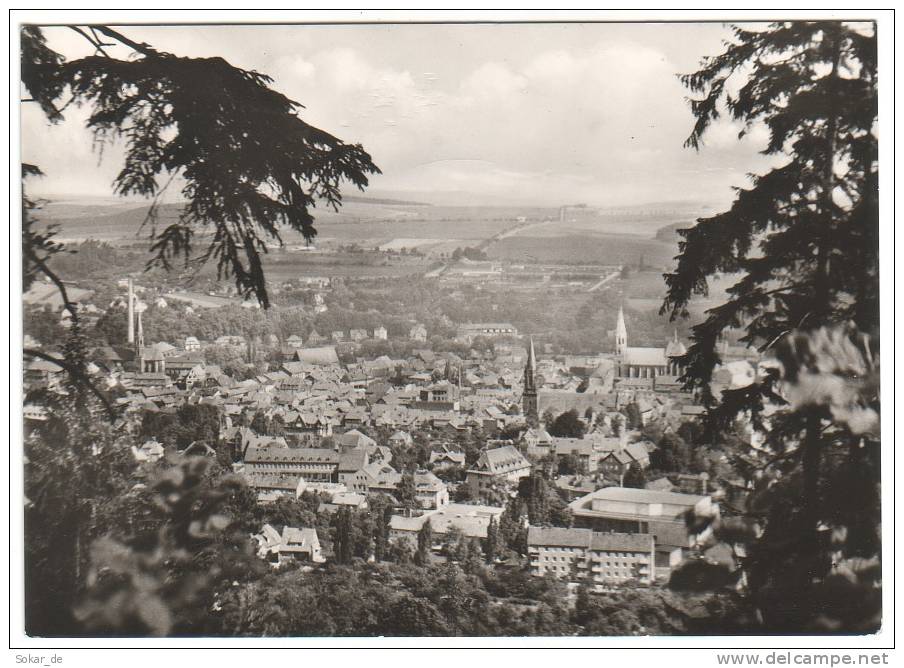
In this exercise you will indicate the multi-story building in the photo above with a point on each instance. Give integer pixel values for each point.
(312, 464)
(644, 511)
(500, 465)
(443, 391)
(430, 491)
(602, 558)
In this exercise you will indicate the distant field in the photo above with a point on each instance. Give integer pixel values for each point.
(356, 222)
(635, 226)
(599, 249)
(378, 232)
(284, 266)
(375, 223)
(201, 300)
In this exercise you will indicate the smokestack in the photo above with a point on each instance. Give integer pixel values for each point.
(131, 314)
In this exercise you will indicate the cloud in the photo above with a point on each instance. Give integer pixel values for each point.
(595, 114)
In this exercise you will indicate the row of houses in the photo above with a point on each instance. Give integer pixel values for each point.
(598, 451)
(356, 465)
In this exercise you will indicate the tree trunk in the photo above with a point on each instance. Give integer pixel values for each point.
(812, 454)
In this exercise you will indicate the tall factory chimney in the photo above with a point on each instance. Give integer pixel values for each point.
(131, 314)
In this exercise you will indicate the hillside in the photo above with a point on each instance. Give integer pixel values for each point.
(582, 234)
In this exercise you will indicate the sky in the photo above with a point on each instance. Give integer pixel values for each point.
(535, 114)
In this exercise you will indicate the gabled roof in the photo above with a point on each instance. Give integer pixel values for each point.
(645, 357)
(501, 460)
(352, 460)
(299, 540)
(291, 455)
(356, 439)
(321, 356)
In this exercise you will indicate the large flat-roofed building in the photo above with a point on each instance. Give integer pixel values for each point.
(471, 331)
(602, 558)
(644, 511)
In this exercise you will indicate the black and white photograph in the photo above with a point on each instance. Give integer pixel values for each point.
(375, 328)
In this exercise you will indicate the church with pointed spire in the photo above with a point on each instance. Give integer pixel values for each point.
(147, 359)
(635, 362)
(530, 404)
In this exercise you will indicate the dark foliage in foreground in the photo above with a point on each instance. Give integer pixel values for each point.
(249, 163)
(802, 241)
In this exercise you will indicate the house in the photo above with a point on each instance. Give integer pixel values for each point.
(300, 545)
(400, 439)
(43, 373)
(418, 333)
(357, 334)
(271, 486)
(353, 469)
(230, 340)
(500, 465)
(444, 392)
(315, 339)
(295, 341)
(355, 439)
(339, 500)
(186, 370)
(617, 462)
(602, 558)
(430, 491)
(300, 425)
(538, 442)
(111, 358)
(380, 333)
(662, 514)
(576, 486)
(445, 458)
(268, 542)
(587, 450)
(149, 451)
(471, 520)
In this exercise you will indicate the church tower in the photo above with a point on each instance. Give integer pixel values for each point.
(529, 401)
(621, 334)
(139, 340)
